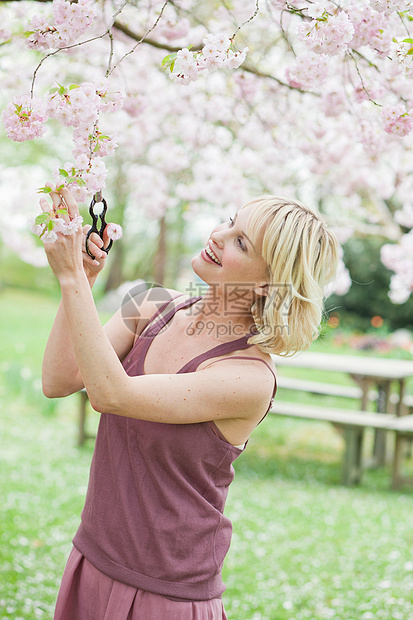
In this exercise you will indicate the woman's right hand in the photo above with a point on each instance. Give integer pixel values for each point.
(94, 266)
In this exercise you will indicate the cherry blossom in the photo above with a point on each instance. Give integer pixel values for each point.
(309, 71)
(320, 111)
(399, 258)
(68, 23)
(327, 35)
(397, 120)
(48, 224)
(114, 231)
(24, 119)
(216, 53)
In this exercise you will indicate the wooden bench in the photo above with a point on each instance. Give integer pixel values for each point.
(353, 424)
(316, 387)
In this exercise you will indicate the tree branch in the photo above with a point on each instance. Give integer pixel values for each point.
(173, 48)
(152, 42)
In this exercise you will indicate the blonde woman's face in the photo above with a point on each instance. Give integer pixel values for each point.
(230, 257)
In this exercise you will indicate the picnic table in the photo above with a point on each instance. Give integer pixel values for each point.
(366, 371)
(386, 375)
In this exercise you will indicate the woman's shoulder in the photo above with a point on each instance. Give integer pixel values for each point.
(253, 355)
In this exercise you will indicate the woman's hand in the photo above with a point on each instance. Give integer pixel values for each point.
(92, 266)
(65, 254)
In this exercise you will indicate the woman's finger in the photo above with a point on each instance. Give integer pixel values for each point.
(106, 240)
(71, 203)
(96, 240)
(44, 205)
(94, 249)
(56, 199)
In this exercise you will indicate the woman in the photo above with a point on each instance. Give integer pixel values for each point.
(178, 404)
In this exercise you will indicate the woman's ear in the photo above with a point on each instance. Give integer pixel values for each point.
(261, 290)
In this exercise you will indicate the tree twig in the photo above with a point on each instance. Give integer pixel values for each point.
(142, 38)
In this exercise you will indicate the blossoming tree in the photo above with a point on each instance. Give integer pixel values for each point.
(210, 104)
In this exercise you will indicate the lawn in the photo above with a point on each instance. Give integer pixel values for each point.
(304, 547)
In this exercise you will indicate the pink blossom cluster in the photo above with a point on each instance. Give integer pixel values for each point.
(369, 28)
(330, 34)
(111, 99)
(396, 120)
(76, 106)
(399, 258)
(391, 6)
(216, 54)
(319, 8)
(70, 20)
(85, 177)
(404, 216)
(48, 224)
(94, 142)
(24, 119)
(309, 71)
(405, 57)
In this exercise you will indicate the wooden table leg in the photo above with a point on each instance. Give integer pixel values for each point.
(380, 437)
(82, 417)
(397, 461)
(352, 460)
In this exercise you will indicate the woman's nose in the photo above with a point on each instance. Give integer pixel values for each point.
(217, 237)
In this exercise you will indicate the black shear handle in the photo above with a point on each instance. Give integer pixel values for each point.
(96, 199)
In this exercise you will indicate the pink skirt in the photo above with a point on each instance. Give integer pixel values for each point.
(87, 594)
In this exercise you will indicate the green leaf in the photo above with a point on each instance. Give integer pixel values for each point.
(53, 90)
(63, 172)
(72, 86)
(407, 41)
(169, 61)
(28, 33)
(61, 211)
(410, 52)
(80, 182)
(42, 218)
(62, 90)
(44, 190)
(50, 225)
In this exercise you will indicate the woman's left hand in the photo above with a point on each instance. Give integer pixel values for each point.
(64, 254)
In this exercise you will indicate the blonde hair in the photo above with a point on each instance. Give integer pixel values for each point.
(301, 255)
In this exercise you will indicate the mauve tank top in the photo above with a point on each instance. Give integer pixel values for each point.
(153, 516)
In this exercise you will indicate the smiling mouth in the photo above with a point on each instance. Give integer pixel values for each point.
(211, 255)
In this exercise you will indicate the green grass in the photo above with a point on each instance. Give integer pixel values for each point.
(304, 547)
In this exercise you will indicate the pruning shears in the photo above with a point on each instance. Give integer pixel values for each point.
(97, 198)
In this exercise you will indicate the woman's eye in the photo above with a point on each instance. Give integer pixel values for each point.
(231, 222)
(241, 243)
